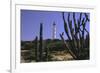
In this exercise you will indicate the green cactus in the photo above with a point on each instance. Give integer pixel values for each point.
(76, 34)
(41, 53)
(41, 43)
(36, 49)
(66, 27)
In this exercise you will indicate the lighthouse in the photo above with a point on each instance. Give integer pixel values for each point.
(54, 31)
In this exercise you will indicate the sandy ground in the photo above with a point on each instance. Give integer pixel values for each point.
(61, 56)
(55, 56)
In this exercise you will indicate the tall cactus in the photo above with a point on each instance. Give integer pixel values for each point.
(75, 34)
(36, 49)
(39, 51)
(41, 43)
(69, 32)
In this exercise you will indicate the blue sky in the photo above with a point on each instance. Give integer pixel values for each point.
(31, 19)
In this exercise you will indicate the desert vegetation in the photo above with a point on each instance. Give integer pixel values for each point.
(75, 47)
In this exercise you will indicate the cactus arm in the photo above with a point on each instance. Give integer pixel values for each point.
(66, 27)
(86, 16)
(75, 24)
(67, 46)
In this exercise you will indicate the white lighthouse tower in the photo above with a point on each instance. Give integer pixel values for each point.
(54, 31)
